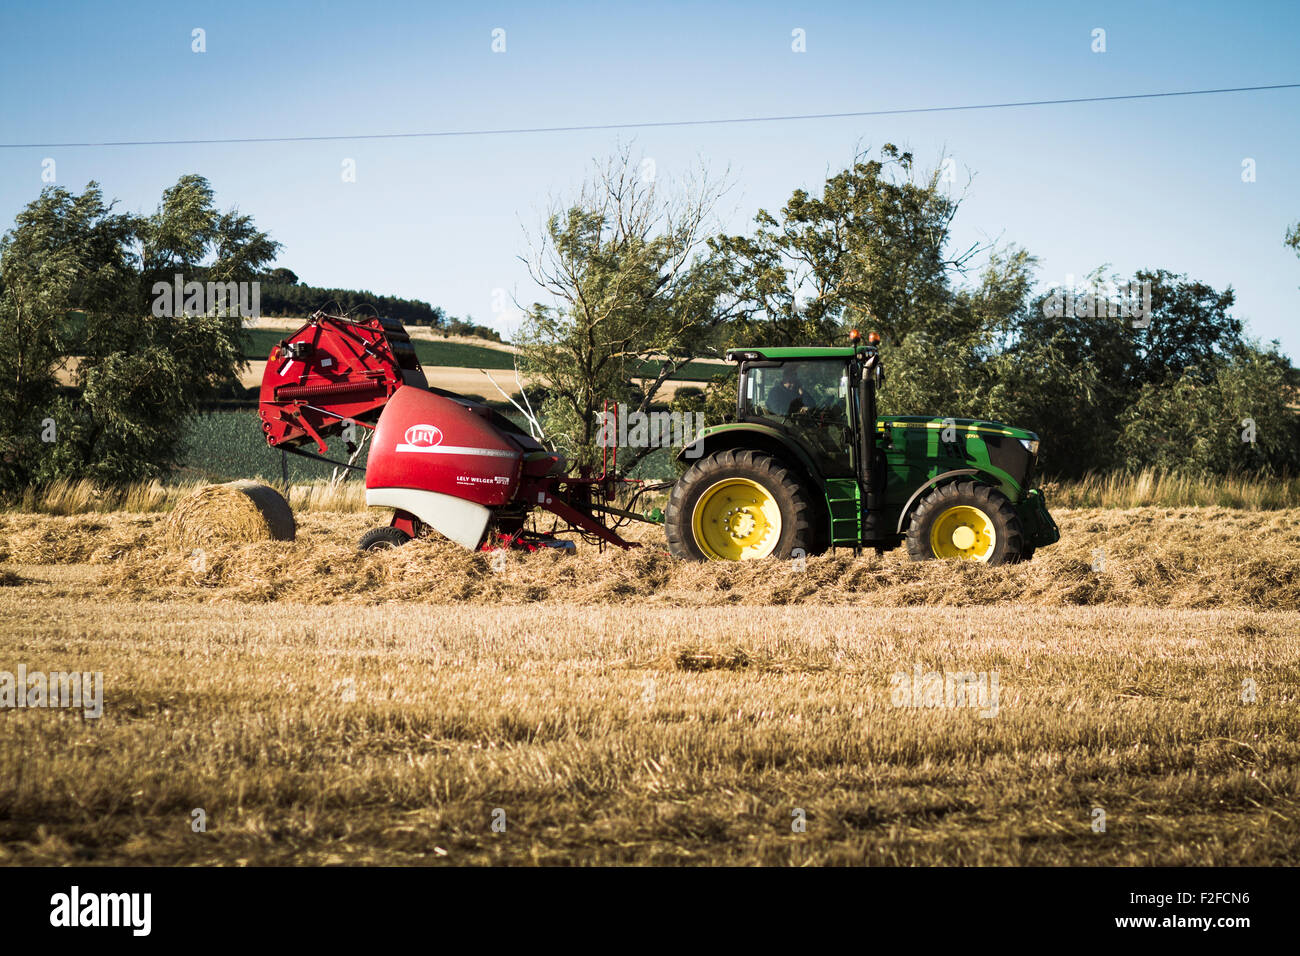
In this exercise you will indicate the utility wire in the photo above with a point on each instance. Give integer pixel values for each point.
(653, 125)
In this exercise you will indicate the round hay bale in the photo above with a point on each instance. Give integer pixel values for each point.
(235, 512)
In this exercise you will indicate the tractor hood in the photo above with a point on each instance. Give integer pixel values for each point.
(961, 424)
(921, 446)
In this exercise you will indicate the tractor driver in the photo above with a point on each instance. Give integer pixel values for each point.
(787, 397)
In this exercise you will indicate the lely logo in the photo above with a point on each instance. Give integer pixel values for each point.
(421, 438)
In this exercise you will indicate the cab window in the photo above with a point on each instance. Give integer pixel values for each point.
(810, 399)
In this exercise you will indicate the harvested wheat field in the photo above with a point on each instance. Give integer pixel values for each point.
(321, 706)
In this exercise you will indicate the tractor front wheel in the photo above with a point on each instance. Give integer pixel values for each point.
(967, 520)
(738, 506)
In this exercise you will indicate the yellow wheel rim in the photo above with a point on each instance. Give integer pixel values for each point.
(736, 520)
(963, 532)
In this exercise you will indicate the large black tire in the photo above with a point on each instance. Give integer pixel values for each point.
(1008, 541)
(381, 539)
(797, 532)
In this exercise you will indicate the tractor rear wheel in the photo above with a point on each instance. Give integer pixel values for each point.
(738, 506)
(967, 520)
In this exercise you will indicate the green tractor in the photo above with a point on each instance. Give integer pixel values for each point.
(807, 466)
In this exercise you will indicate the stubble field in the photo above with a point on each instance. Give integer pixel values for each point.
(435, 706)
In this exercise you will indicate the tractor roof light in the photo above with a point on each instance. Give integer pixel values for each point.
(873, 338)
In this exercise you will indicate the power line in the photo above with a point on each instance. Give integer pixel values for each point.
(653, 125)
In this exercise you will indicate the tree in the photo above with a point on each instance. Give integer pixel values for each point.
(1257, 391)
(949, 364)
(1236, 421)
(282, 276)
(1071, 375)
(872, 248)
(632, 287)
(65, 253)
(78, 282)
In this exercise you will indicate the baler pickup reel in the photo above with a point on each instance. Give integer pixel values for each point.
(438, 459)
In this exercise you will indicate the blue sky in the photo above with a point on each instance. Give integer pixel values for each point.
(1153, 183)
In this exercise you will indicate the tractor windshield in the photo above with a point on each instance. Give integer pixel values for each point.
(808, 397)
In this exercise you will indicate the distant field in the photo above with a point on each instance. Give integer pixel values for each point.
(323, 707)
(429, 352)
(223, 446)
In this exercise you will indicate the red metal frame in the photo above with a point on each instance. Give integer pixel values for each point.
(406, 522)
(346, 375)
(554, 495)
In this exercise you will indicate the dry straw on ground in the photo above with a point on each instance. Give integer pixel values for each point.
(239, 512)
(616, 721)
(391, 734)
(1193, 558)
(1152, 557)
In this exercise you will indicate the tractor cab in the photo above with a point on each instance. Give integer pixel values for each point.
(808, 399)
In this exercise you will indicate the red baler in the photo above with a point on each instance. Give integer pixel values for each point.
(436, 458)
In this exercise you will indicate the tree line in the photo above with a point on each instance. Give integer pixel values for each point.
(634, 272)
(99, 374)
(284, 294)
(637, 276)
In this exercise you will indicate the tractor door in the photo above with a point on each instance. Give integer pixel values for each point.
(810, 400)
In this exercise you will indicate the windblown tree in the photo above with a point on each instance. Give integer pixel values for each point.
(634, 295)
(872, 248)
(77, 292)
(64, 253)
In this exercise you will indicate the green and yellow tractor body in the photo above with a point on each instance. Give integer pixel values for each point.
(808, 465)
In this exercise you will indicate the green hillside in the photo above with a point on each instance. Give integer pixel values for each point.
(458, 354)
(226, 445)
(464, 355)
